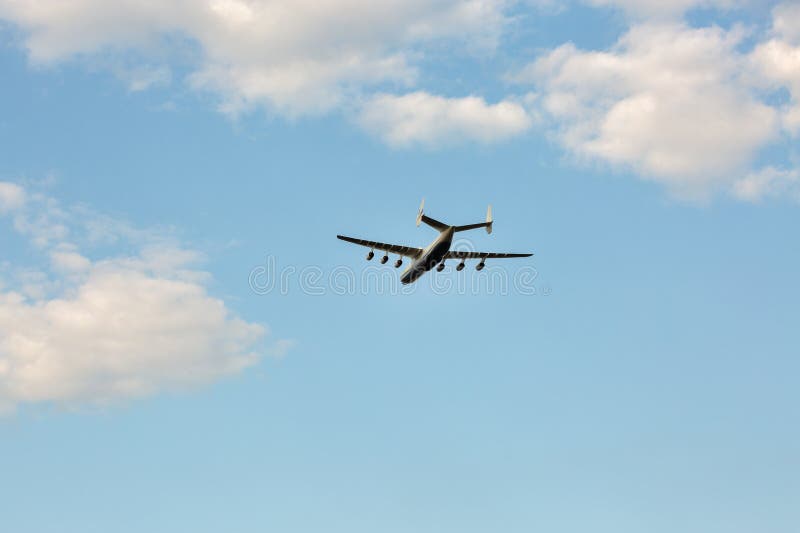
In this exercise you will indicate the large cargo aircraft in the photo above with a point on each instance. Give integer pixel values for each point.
(436, 253)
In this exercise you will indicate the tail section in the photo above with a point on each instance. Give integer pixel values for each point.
(441, 226)
(487, 224)
(422, 217)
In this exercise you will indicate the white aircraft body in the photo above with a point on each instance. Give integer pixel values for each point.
(437, 252)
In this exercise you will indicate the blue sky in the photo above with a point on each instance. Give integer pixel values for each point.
(153, 157)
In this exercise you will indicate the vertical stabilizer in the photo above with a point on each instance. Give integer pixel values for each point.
(421, 212)
(489, 219)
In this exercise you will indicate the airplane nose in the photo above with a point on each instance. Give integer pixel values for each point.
(407, 277)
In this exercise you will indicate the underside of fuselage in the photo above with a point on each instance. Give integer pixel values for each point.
(432, 256)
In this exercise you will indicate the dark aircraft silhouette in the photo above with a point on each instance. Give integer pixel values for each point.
(435, 253)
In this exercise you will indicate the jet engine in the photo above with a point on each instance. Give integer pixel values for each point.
(460, 266)
(370, 255)
(480, 266)
(398, 263)
(440, 267)
(384, 259)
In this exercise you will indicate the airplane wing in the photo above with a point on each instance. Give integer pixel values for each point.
(454, 254)
(405, 251)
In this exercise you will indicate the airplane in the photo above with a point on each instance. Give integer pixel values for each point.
(436, 253)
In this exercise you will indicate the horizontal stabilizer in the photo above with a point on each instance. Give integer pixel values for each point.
(432, 222)
(487, 224)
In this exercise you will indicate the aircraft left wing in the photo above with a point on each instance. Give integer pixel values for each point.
(453, 254)
(405, 251)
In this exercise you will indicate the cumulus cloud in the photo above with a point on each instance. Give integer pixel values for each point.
(668, 101)
(92, 331)
(776, 64)
(421, 118)
(689, 107)
(292, 57)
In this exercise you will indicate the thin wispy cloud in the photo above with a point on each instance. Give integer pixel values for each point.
(661, 9)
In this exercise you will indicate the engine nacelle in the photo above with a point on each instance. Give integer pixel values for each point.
(370, 255)
(440, 267)
(460, 266)
(384, 259)
(398, 263)
(480, 266)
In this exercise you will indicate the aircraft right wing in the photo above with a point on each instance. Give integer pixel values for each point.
(453, 254)
(406, 251)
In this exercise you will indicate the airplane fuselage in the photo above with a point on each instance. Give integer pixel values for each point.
(431, 256)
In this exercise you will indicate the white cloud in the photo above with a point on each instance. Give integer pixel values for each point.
(786, 22)
(768, 182)
(69, 261)
(685, 106)
(776, 63)
(421, 118)
(667, 101)
(96, 331)
(12, 196)
(143, 77)
(121, 333)
(303, 87)
(292, 57)
(663, 8)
